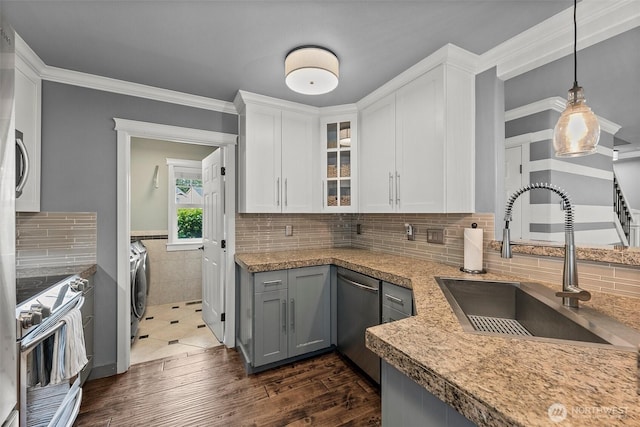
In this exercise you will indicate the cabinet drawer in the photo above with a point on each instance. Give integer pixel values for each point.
(391, 314)
(397, 297)
(270, 281)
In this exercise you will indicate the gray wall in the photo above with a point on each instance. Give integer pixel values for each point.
(628, 173)
(489, 143)
(79, 175)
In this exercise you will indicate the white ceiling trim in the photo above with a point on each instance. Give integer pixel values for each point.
(449, 54)
(122, 87)
(552, 39)
(243, 97)
(92, 81)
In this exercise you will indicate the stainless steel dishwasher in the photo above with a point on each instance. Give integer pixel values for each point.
(358, 308)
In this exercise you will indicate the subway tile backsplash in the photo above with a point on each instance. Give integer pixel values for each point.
(379, 232)
(55, 238)
(266, 232)
(386, 233)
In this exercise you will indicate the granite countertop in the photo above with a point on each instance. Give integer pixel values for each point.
(493, 381)
(84, 270)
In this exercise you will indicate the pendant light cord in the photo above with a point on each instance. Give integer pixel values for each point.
(575, 44)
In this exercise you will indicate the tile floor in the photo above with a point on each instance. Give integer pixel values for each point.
(171, 329)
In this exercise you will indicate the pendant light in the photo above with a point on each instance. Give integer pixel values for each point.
(311, 70)
(577, 132)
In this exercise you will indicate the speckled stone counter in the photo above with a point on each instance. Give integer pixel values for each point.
(493, 381)
(85, 271)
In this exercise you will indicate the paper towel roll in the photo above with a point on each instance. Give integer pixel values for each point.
(473, 249)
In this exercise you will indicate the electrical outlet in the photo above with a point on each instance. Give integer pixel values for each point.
(288, 230)
(435, 236)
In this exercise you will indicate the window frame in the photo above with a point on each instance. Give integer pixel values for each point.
(173, 242)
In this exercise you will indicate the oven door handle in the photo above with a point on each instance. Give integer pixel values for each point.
(25, 170)
(30, 343)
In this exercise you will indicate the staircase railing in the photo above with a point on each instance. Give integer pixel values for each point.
(621, 208)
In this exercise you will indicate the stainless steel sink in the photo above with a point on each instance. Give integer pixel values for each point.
(531, 311)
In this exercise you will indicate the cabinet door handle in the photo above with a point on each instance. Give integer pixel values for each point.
(397, 188)
(278, 192)
(272, 282)
(293, 315)
(286, 193)
(390, 189)
(284, 316)
(394, 299)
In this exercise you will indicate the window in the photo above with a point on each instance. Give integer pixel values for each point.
(185, 204)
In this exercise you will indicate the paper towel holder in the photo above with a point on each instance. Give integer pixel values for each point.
(482, 271)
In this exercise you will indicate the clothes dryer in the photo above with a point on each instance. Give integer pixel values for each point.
(140, 274)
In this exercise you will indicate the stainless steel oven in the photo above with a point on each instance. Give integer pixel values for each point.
(42, 304)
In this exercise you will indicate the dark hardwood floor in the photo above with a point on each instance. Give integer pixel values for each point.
(211, 388)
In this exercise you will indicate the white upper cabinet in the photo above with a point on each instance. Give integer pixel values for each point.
(275, 156)
(298, 130)
(377, 156)
(417, 146)
(28, 98)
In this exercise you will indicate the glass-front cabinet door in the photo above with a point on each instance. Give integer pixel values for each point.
(339, 171)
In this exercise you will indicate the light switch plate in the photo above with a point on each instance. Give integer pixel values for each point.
(435, 235)
(288, 230)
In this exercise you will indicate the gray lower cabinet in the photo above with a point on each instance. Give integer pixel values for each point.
(407, 403)
(283, 314)
(397, 302)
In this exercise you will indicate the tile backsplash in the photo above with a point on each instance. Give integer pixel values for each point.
(266, 232)
(386, 233)
(55, 238)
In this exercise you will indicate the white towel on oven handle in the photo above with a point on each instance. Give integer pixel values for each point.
(70, 354)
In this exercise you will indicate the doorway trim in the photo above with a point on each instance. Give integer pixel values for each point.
(127, 129)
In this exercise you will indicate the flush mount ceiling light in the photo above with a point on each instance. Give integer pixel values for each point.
(311, 70)
(577, 132)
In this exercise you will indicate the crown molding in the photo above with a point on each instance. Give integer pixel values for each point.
(243, 97)
(449, 54)
(92, 81)
(28, 56)
(554, 103)
(553, 38)
(339, 109)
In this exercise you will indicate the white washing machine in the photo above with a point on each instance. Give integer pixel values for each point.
(140, 274)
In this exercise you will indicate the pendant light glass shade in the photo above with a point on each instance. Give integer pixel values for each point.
(577, 132)
(311, 70)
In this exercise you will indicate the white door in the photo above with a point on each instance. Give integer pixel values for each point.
(212, 238)
(512, 183)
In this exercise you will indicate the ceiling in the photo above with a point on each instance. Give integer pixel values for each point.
(213, 48)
